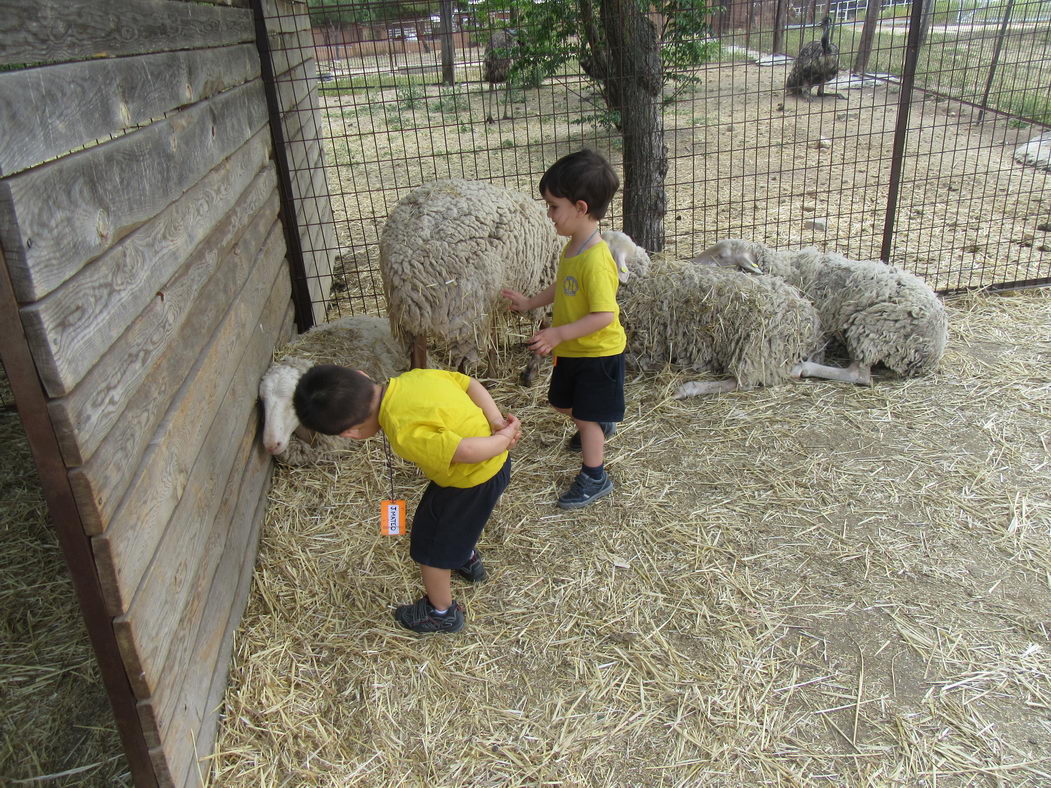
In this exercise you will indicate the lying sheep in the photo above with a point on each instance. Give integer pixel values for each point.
(360, 342)
(757, 329)
(881, 314)
(446, 250)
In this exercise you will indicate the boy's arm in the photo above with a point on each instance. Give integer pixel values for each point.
(521, 303)
(543, 342)
(484, 448)
(481, 397)
(506, 429)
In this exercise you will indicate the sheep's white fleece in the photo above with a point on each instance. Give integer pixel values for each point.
(446, 250)
(880, 313)
(359, 341)
(709, 318)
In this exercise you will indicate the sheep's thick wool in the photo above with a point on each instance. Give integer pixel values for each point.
(880, 313)
(714, 319)
(447, 249)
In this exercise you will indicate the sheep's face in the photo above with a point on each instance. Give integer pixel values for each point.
(631, 260)
(730, 253)
(279, 416)
(279, 422)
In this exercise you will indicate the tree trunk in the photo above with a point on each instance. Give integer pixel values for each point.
(868, 33)
(448, 53)
(634, 87)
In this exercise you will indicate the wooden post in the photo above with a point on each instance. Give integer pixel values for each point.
(448, 52)
(780, 20)
(868, 32)
(996, 58)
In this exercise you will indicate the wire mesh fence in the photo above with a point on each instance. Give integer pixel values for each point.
(925, 149)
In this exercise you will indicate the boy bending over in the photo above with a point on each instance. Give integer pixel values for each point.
(448, 425)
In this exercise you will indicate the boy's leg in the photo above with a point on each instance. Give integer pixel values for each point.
(592, 442)
(436, 582)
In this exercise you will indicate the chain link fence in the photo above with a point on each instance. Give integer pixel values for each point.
(926, 150)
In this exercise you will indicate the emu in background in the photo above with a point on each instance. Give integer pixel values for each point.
(818, 62)
(496, 69)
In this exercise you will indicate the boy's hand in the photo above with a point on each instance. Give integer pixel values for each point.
(519, 303)
(543, 342)
(512, 430)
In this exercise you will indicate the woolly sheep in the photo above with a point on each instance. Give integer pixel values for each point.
(446, 250)
(360, 342)
(881, 314)
(710, 318)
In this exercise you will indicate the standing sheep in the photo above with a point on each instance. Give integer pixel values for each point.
(446, 251)
(706, 317)
(881, 314)
(360, 342)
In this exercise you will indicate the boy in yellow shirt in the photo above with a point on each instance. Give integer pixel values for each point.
(448, 425)
(586, 336)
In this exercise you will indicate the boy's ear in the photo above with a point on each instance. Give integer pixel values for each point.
(581, 206)
(350, 432)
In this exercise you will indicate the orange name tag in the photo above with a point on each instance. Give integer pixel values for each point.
(392, 518)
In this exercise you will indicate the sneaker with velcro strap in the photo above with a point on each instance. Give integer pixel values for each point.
(421, 617)
(474, 570)
(585, 490)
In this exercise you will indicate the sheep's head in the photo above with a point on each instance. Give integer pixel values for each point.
(631, 259)
(275, 390)
(731, 253)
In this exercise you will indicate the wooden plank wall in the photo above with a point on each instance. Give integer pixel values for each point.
(291, 45)
(140, 229)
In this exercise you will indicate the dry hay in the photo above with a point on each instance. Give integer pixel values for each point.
(806, 584)
(56, 726)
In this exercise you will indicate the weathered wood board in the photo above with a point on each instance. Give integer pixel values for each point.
(100, 483)
(125, 549)
(56, 31)
(57, 217)
(141, 90)
(184, 543)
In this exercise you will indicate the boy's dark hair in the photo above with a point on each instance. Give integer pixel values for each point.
(330, 399)
(584, 175)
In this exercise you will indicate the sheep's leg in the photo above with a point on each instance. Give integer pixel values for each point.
(417, 352)
(531, 367)
(697, 387)
(530, 370)
(855, 373)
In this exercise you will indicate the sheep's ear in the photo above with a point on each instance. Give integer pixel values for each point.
(747, 264)
(623, 274)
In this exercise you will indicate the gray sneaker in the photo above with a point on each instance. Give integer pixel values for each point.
(420, 617)
(474, 570)
(608, 428)
(584, 490)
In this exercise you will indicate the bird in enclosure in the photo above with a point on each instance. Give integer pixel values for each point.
(817, 64)
(496, 69)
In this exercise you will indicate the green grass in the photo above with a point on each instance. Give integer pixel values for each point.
(953, 64)
(951, 12)
(370, 82)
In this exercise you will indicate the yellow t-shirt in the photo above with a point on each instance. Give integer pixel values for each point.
(588, 283)
(425, 414)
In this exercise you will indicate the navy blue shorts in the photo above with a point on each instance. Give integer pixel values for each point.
(593, 387)
(449, 520)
